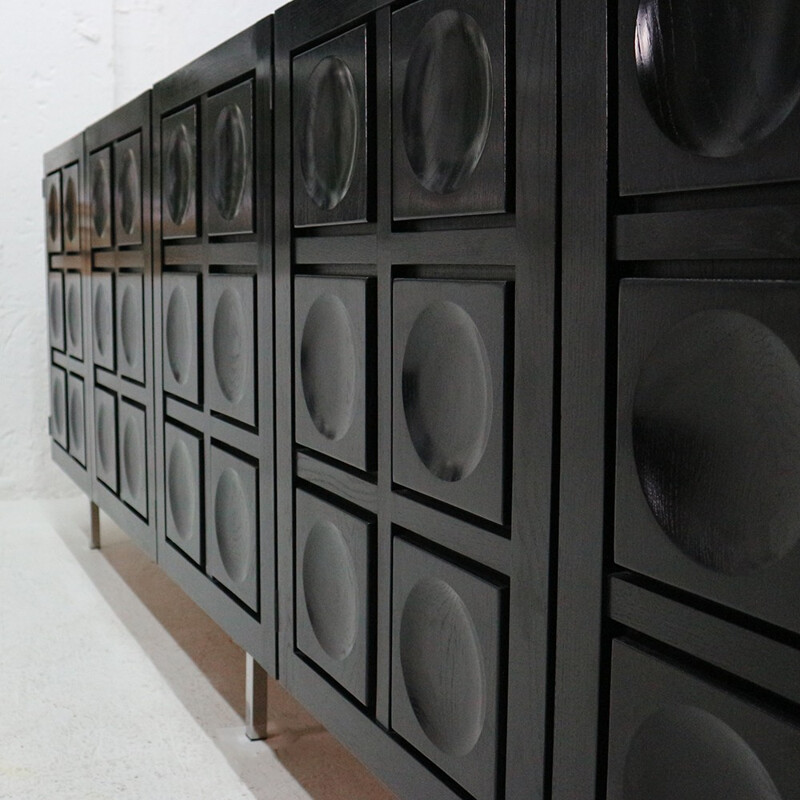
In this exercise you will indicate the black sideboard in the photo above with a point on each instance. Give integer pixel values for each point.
(446, 354)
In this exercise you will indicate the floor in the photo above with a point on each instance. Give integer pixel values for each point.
(114, 684)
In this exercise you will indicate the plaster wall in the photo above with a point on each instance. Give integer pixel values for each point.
(63, 66)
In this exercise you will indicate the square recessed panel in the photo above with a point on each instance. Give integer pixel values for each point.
(131, 351)
(446, 665)
(183, 490)
(128, 192)
(179, 217)
(181, 335)
(73, 308)
(55, 309)
(334, 386)
(334, 605)
(708, 440)
(707, 98)
(58, 406)
(676, 735)
(72, 205)
(52, 212)
(76, 418)
(331, 134)
(101, 213)
(232, 549)
(450, 347)
(133, 469)
(231, 375)
(229, 158)
(449, 108)
(105, 437)
(103, 319)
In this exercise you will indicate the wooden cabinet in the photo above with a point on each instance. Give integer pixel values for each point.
(447, 354)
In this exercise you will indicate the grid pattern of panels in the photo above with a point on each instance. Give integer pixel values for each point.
(399, 268)
(120, 298)
(67, 311)
(213, 329)
(708, 368)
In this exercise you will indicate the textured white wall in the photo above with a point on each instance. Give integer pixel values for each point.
(63, 66)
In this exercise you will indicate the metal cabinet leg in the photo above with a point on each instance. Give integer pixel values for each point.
(255, 700)
(94, 531)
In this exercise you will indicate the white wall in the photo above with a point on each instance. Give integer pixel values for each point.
(63, 66)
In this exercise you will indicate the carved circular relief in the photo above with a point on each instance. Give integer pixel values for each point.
(59, 412)
(128, 193)
(105, 438)
(329, 133)
(132, 457)
(100, 198)
(229, 346)
(442, 665)
(71, 209)
(130, 327)
(74, 313)
(229, 161)
(76, 416)
(685, 752)
(179, 335)
(447, 391)
(718, 77)
(330, 589)
(56, 312)
(52, 212)
(102, 319)
(181, 490)
(716, 438)
(232, 525)
(447, 101)
(329, 367)
(179, 175)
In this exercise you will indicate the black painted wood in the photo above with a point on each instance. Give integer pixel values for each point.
(67, 223)
(102, 222)
(448, 641)
(333, 181)
(231, 370)
(449, 108)
(212, 146)
(55, 310)
(677, 735)
(750, 655)
(118, 159)
(708, 94)
(334, 367)
(436, 369)
(73, 313)
(709, 392)
(449, 392)
(460, 242)
(335, 604)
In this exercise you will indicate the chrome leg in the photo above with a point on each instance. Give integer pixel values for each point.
(255, 700)
(94, 534)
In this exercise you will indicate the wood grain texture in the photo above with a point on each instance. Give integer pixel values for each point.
(332, 179)
(226, 244)
(676, 734)
(449, 109)
(763, 232)
(709, 392)
(334, 603)
(446, 676)
(707, 95)
(335, 367)
(752, 656)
